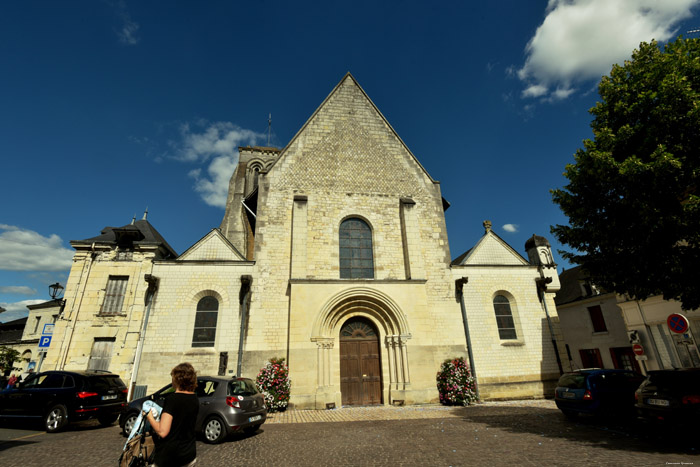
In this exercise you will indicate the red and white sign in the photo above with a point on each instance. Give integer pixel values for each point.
(638, 349)
(677, 323)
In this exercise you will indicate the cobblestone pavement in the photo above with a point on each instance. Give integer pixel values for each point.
(530, 433)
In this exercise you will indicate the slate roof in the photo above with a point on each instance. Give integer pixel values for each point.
(571, 291)
(11, 332)
(141, 232)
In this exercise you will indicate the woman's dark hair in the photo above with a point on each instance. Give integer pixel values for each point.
(184, 377)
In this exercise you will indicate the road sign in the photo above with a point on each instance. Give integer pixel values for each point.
(677, 323)
(638, 349)
(45, 341)
(48, 328)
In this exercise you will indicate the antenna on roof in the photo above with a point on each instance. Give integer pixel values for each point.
(145, 214)
(269, 128)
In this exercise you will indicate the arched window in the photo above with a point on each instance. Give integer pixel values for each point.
(205, 322)
(256, 175)
(504, 318)
(356, 261)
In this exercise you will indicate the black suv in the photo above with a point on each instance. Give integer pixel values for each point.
(671, 396)
(59, 397)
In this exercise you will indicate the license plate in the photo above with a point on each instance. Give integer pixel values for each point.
(107, 398)
(659, 402)
(255, 419)
(568, 395)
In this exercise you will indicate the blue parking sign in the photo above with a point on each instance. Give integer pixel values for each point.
(45, 341)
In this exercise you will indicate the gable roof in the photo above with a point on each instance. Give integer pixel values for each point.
(491, 250)
(139, 232)
(214, 246)
(348, 77)
(571, 290)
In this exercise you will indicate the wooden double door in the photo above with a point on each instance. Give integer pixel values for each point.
(360, 368)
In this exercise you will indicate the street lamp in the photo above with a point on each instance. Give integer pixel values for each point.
(55, 290)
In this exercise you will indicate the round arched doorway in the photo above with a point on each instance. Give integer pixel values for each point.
(360, 366)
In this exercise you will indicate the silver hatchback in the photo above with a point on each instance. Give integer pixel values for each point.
(226, 406)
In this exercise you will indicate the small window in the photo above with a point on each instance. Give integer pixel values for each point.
(504, 318)
(597, 318)
(590, 358)
(356, 259)
(36, 324)
(114, 295)
(205, 322)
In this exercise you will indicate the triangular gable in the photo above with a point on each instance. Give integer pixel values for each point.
(212, 247)
(491, 250)
(346, 130)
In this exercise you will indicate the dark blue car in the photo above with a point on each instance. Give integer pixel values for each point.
(597, 392)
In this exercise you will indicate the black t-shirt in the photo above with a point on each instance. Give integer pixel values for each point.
(179, 447)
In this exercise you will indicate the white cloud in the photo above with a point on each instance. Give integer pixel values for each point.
(512, 228)
(580, 40)
(26, 250)
(128, 29)
(16, 310)
(217, 143)
(17, 289)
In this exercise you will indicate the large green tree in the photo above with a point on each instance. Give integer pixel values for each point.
(8, 357)
(632, 197)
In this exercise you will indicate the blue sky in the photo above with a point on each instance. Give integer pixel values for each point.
(109, 107)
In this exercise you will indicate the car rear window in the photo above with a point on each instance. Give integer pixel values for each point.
(105, 382)
(675, 378)
(619, 379)
(572, 381)
(242, 387)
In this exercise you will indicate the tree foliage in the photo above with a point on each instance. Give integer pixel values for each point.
(8, 357)
(632, 197)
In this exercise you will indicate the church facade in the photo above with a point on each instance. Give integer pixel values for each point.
(333, 254)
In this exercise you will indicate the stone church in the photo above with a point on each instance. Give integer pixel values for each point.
(332, 254)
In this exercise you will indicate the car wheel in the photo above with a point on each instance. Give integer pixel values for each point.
(214, 430)
(106, 420)
(251, 429)
(129, 423)
(56, 418)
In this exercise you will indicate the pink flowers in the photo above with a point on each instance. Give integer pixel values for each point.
(455, 383)
(273, 381)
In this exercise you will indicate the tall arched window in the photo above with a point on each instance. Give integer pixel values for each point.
(504, 318)
(205, 322)
(356, 261)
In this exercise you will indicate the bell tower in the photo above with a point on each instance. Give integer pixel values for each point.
(238, 224)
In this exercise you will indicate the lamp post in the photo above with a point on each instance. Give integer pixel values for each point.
(55, 292)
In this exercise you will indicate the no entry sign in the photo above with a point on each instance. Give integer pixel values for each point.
(638, 349)
(677, 323)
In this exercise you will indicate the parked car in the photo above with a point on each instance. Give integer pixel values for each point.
(226, 405)
(59, 397)
(597, 392)
(670, 396)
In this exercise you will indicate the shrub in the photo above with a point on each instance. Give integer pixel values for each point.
(455, 383)
(274, 383)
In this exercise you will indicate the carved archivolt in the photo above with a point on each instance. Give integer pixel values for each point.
(380, 309)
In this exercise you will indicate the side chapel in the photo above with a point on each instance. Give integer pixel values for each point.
(332, 254)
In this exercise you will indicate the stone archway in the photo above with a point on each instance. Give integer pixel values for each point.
(360, 363)
(389, 324)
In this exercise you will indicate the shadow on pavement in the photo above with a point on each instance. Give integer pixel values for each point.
(609, 433)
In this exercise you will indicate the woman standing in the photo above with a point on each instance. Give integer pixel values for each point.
(176, 446)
